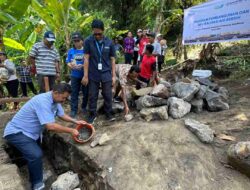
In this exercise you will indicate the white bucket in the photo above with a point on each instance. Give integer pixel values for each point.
(202, 73)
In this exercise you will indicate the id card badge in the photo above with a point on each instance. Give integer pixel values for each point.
(99, 66)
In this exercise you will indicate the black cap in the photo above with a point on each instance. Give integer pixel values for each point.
(50, 36)
(151, 34)
(76, 36)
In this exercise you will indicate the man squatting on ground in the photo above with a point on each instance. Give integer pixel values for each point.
(26, 127)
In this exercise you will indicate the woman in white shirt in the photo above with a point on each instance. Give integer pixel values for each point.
(12, 82)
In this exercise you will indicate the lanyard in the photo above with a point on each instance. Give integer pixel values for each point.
(99, 50)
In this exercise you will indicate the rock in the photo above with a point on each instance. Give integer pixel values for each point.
(128, 117)
(77, 189)
(239, 156)
(104, 138)
(158, 113)
(223, 93)
(197, 105)
(202, 92)
(185, 91)
(186, 80)
(150, 101)
(95, 141)
(160, 91)
(165, 83)
(142, 91)
(66, 181)
(207, 82)
(100, 139)
(202, 131)
(117, 107)
(178, 107)
(215, 102)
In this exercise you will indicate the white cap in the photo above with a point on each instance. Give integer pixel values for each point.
(158, 35)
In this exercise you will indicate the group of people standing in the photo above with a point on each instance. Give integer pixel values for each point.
(134, 47)
(93, 67)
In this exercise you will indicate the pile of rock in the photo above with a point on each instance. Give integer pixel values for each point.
(180, 98)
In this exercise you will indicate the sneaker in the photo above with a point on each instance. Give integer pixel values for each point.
(117, 100)
(72, 114)
(38, 186)
(110, 117)
(92, 118)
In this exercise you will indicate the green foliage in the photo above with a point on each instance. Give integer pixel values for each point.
(13, 44)
(12, 10)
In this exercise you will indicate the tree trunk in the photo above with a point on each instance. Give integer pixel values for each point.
(159, 18)
(1, 39)
(207, 54)
(185, 53)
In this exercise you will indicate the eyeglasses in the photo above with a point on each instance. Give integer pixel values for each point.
(97, 34)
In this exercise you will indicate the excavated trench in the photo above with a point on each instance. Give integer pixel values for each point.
(61, 156)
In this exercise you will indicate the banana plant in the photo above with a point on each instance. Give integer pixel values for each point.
(10, 12)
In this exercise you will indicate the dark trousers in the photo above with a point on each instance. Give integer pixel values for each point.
(106, 93)
(135, 58)
(128, 58)
(138, 84)
(31, 152)
(76, 86)
(12, 87)
(24, 88)
(40, 79)
(160, 66)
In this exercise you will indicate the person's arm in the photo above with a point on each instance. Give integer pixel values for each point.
(57, 64)
(112, 59)
(154, 75)
(61, 129)
(69, 59)
(85, 79)
(58, 70)
(113, 70)
(67, 118)
(47, 118)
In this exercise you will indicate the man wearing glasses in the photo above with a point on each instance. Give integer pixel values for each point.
(99, 69)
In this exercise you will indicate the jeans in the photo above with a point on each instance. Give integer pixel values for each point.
(31, 152)
(106, 93)
(76, 86)
(128, 58)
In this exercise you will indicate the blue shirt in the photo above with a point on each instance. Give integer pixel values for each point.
(76, 54)
(38, 111)
(108, 51)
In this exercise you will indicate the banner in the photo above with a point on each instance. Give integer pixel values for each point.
(217, 21)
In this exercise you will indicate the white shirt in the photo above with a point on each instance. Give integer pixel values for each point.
(10, 66)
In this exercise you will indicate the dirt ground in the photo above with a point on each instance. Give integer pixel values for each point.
(165, 155)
